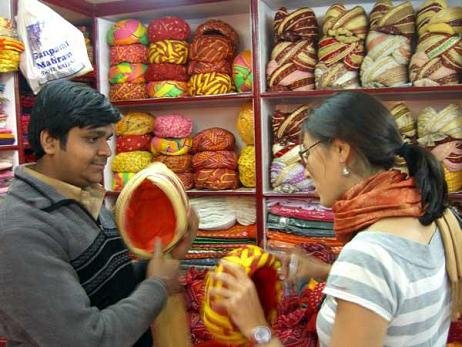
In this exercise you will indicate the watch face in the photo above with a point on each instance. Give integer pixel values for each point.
(262, 334)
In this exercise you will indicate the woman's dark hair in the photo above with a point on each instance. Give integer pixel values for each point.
(366, 124)
(62, 105)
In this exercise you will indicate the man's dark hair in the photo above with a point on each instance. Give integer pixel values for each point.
(62, 105)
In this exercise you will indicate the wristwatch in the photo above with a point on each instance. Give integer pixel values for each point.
(261, 335)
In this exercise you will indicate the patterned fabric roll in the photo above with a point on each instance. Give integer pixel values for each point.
(176, 163)
(291, 66)
(187, 178)
(433, 127)
(247, 167)
(214, 160)
(135, 123)
(242, 71)
(170, 146)
(166, 71)
(127, 32)
(288, 175)
(216, 179)
(211, 48)
(168, 51)
(262, 268)
(245, 123)
(406, 122)
(213, 139)
(127, 91)
(119, 179)
(131, 161)
(293, 26)
(287, 126)
(173, 125)
(341, 48)
(168, 28)
(166, 89)
(210, 83)
(127, 73)
(214, 26)
(129, 143)
(135, 54)
(388, 45)
(221, 66)
(438, 56)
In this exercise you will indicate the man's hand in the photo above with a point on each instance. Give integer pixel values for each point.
(164, 268)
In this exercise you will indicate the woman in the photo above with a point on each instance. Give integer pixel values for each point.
(389, 285)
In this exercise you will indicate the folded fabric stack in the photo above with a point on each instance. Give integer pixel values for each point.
(6, 173)
(293, 58)
(133, 139)
(246, 161)
(441, 132)
(171, 146)
(438, 56)
(296, 221)
(341, 50)
(243, 71)
(27, 102)
(6, 135)
(128, 39)
(212, 52)
(10, 46)
(388, 45)
(214, 161)
(168, 54)
(225, 223)
(287, 172)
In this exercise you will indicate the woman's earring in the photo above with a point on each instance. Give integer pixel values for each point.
(346, 171)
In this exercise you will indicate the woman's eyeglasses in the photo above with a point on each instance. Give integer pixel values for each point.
(304, 153)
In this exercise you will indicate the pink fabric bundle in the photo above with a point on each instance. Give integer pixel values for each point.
(174, 125)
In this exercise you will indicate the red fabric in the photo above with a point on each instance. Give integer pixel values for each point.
(455, 331)
(135, 53)
(168, 28)
(214, 139)
(216, 26)
(221, 66)
(187, 178)
(166, 71)
(177, 163)
(211, 48)
(300, 213)
(129, 143)
(216, 179)
(215, 160)
(387, 194)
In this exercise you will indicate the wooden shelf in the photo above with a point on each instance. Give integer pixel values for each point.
(197, 192)
(9, 148)
(399, 93)
(208, 100)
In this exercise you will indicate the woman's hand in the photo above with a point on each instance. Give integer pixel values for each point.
(297, 265)
(239, 298)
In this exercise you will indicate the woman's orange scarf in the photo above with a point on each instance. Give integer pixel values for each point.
(386, 194)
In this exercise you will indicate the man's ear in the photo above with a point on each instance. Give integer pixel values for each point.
(343, 151)
(49, 143)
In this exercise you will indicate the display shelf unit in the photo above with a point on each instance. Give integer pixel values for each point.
(253, 19)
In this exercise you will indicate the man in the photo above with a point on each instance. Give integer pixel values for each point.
(65, 275)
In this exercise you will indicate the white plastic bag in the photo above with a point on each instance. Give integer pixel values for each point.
(54, 48)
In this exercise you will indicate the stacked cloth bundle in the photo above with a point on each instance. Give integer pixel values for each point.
(171, 145)
(6, 173)
(224, 223)
(407, 126)
(26, 101)
(215, 161)
(213, 49)
(295, 322)
(128, 53)
(388, 45)
(287, 172)
(6, 134)
(10, 46)
(133, 138)
(438, 56)
(168, 54)
(246, 161)
(296, 220)
(243, 71)
(441, 132)
(293, 58)
(341, 49)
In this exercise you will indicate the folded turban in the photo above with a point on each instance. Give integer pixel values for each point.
(216, 179)
(135, 123)
(177, 163)
(297, 25)
(173, 125)
(211, 48)
(126, 72)
(213, 139)
(287, 126)
(135, 53)
(170, 146)
(215, 160)
(168, 28)
(214, 26)
(210, 83)
(247, 170)
(168, 51)
(131, 161)
(245, 123)
(166, 89)
(127, 91)
(128, 143)
(166, 71)
(127, 32)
